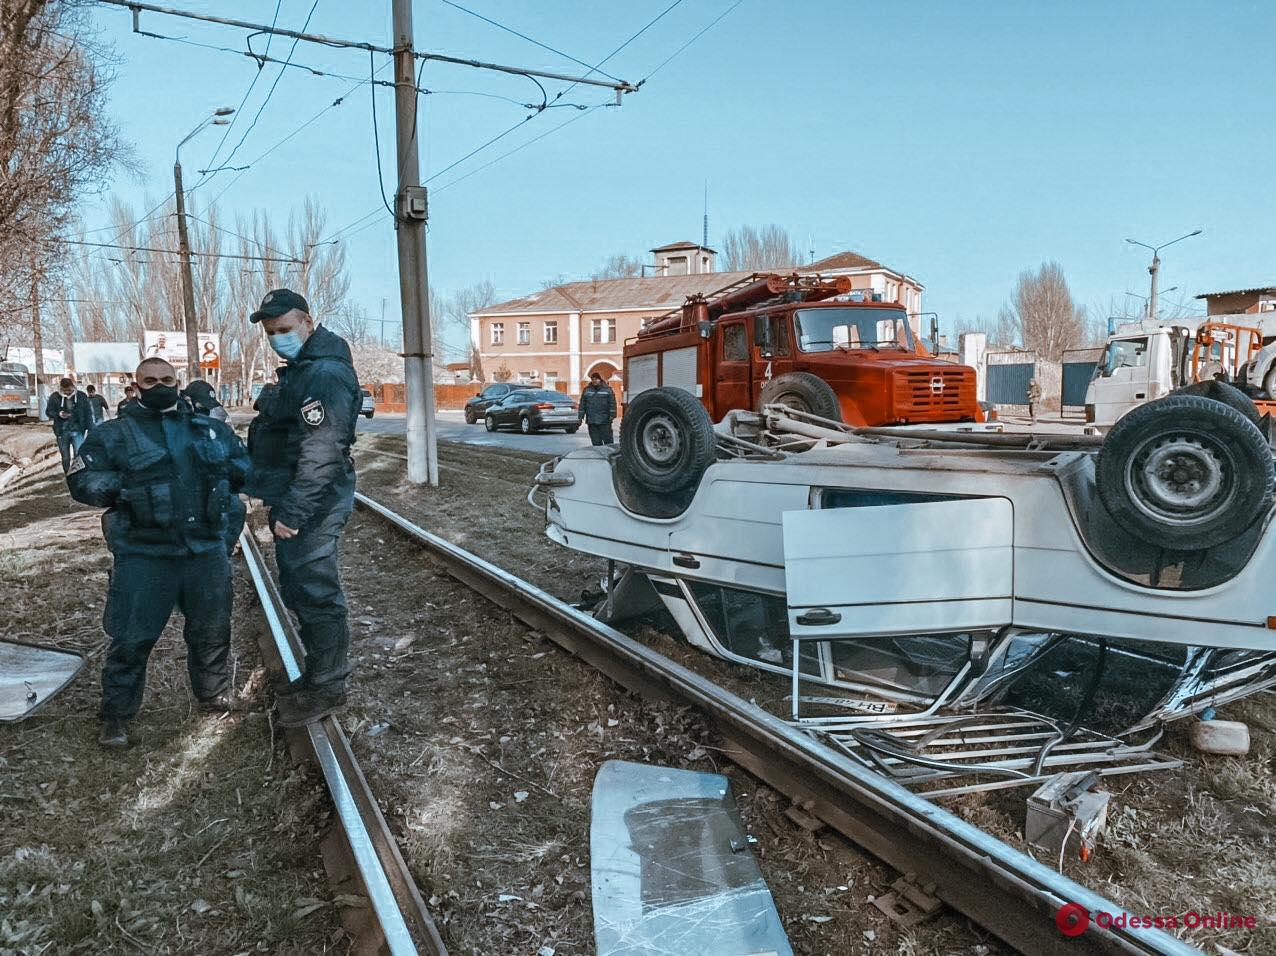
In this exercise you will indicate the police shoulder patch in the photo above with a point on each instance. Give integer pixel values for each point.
(312, 412)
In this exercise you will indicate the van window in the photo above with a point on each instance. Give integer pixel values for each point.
(752, 625)
(734, 346)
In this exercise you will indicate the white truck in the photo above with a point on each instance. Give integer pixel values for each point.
(1144, 361)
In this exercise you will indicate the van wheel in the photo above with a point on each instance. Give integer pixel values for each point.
(1185, 472)
(1228, 394)
(666, 440)
(803, 392)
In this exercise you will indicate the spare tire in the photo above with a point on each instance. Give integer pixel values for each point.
(1185, 473)
(1224, 392)
(804, 392)
(666, 440)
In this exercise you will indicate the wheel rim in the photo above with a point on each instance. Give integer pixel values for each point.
(795, 402)
(490, 422)
(525, 425)
(660, 439)
(1182, 479)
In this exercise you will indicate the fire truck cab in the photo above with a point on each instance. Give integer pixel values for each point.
(772, 339)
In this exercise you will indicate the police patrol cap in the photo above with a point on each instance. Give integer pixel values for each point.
(277, 303)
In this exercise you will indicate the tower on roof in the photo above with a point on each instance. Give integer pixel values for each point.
(683, 258)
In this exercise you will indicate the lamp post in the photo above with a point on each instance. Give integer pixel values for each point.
(183, 244)
(1155, 267)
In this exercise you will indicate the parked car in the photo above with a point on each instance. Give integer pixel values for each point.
(532, 410)
(477, 406)
(369, 407)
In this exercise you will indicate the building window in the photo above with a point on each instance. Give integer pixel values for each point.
(524, 333)
(602, 331)
(551, 333)
(676, 266)
(498, 333)
(526, 378)
(551, 379)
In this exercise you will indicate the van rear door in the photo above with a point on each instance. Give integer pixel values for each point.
(899, 569)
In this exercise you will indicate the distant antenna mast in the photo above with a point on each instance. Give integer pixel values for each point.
(810, 246)
(705, 241)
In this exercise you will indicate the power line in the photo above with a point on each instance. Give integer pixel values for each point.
(376, 131)
(594, 69)
(712, 23)
(239, 109)
(524, 36)
(271, 92)
(172, 252)
(231, 232)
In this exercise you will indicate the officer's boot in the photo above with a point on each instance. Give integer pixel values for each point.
(113, 734)
(308, 705)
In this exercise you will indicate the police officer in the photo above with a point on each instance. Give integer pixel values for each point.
(167, 477)
(300, 447)
(130, 398)
(204, 400)
(598, 409)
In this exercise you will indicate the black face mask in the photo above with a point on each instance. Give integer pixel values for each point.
(158, 397)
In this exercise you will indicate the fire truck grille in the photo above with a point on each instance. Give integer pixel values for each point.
(933, 395)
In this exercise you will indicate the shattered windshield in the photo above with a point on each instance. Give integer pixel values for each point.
(822, 330)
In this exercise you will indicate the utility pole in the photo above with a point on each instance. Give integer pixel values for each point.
(1155, 268)
(188, 281)
(37, 345)
(410, 213)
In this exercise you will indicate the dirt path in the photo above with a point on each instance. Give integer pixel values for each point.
(199, 839)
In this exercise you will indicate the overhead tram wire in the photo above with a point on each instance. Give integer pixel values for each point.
(712, 23)
(172, 252)
(231, 232)
(524, 36)
(271, 92)
(595, 69)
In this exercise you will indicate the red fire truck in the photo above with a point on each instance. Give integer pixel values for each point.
(802, 341)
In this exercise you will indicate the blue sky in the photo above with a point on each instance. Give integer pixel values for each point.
(959, 142)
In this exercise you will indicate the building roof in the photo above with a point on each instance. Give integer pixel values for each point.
(685, 244)
(654, 292)
(1260, 290)
(843, 260)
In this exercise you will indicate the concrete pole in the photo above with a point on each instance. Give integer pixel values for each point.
(37, 346)
(188, 281)
(410, 216)
(1155, 269)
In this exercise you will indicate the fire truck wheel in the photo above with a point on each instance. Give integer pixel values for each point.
(1185, 473)
(666, 440)
(804, 392)
(1228, 394)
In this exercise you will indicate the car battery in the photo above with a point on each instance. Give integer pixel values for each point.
(1064, 813)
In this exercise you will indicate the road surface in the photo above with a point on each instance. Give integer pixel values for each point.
(452, 427)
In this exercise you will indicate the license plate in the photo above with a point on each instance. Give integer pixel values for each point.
(10, 398)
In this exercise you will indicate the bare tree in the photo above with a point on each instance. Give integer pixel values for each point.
(56, 144)
(461, 305)
(619, 267)
(351, 322)
(1041, 314)
(998, 332)
(747, 249)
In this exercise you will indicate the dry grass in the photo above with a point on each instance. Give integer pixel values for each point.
(198, 839)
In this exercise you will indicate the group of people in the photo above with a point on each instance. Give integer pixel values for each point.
(170, 473)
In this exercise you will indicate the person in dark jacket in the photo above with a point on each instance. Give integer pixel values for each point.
(68, 410)
(204, 400)
(130, 398)
(300, 448)
(97, 405)
(166, 477)
(598, 409)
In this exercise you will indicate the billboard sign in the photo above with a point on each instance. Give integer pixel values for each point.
(54, 361)
(104, 357)
(171, 347)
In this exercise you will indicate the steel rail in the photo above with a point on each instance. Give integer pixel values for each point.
(1003, 890)
(403, 926)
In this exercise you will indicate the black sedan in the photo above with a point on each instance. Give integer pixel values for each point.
(477, 406)
(531, 410)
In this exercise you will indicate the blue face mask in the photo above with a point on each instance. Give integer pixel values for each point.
(286, 344)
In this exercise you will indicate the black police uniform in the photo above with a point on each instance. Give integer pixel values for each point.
(167, 480)
(300, 448)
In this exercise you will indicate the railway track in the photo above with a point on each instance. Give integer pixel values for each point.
(364, 855)
(1001, 889)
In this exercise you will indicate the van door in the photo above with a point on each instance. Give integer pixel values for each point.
(1124, 378)
(731, 383)
(921, 568)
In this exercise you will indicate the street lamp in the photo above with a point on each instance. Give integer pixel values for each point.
(1155, 267)
(218, 118)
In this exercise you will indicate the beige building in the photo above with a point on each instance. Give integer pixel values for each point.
(561, 334)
